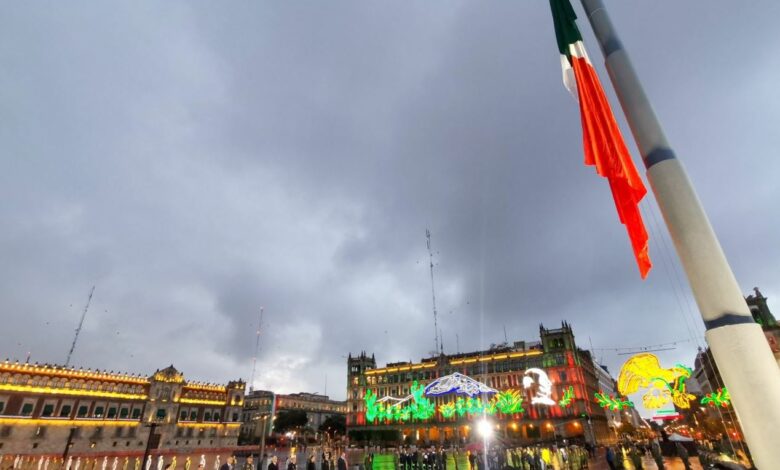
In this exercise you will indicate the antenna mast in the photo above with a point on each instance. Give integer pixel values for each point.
(81, 323)
(257, 348)
(433, 291)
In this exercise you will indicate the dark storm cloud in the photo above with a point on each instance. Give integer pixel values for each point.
(198, 162)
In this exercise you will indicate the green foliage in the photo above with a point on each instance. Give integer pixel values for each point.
(287, 420)
(337, 423)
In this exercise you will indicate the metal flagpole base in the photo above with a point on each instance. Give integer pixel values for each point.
(747, 365)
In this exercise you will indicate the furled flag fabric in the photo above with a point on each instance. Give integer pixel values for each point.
(604, 145)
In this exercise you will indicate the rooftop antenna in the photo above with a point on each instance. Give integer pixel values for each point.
(505, 340)
(81, 323)
(257, 348)
(433, 291)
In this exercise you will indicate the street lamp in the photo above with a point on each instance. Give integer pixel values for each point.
(486, 430)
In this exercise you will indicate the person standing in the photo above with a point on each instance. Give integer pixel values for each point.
(291, 465)
(342, 462)
(682, 452)
(310, 465)
(273, 465)
(610, 456)
(249, 464)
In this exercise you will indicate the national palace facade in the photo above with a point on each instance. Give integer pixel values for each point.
(46, 408)
(530, 391)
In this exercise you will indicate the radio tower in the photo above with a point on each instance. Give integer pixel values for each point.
(257, 348)
(433, 292)
(81, 323)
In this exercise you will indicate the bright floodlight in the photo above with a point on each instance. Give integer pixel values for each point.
(485, 428)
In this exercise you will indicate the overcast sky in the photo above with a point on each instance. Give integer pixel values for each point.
(198, 160)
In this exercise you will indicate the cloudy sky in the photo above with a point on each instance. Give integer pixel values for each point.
(197, 161)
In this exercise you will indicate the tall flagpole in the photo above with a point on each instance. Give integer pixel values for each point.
(738, 344)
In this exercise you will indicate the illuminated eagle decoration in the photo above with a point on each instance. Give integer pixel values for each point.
(644, 371)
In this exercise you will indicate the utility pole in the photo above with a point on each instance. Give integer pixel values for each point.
(78, 330)
(68, 444)
(433, 292)
(738, 344)
(152, 427)
(257, 348)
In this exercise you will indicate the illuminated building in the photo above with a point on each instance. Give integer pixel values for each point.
(260, 405)
(532, 391)
(43, 406)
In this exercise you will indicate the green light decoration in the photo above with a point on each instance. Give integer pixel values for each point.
(719, 398)
(447, 410)
(568, 396)
(509, 402)
(371, 406)
(419, 409)
(614, 404)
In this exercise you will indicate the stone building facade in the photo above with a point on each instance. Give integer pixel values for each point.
(46, 408)
(554, 363)
(260, 406)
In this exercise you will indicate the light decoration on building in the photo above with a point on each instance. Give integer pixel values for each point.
(457, 383)
(65, 422)
(197, 401)
(720, 398)
(613, 403)
(419, 407)
(644, 371)
(568, 396)
(539, 384)
(70, 391)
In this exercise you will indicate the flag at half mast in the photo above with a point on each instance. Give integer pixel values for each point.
(604, 145)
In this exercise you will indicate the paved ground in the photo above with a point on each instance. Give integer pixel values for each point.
(670, 464)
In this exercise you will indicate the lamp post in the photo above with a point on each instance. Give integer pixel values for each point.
(152, 426)
(486, 430)
(68, 443)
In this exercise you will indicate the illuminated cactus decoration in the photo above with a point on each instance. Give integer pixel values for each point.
(447, 410)
(371, 407)
(719, 398)
(568, 396)
(614, 404)
(509, 402)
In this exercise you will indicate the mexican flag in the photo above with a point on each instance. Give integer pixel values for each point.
(604, 145)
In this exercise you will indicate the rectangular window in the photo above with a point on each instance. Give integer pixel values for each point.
(123, 413)
(99, 410)
(136, 413)
(83, 410)
(183, 415)
(27, 409)
(65, 411)
(48, 410)
(111, 412)
(2, 406)
(207, 416)
(193, 415)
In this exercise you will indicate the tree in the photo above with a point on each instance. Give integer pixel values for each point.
(337, 423)
(287, 420)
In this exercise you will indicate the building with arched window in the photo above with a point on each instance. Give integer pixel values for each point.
(46, 408)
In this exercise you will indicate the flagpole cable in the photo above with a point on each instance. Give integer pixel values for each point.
(686, 313)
